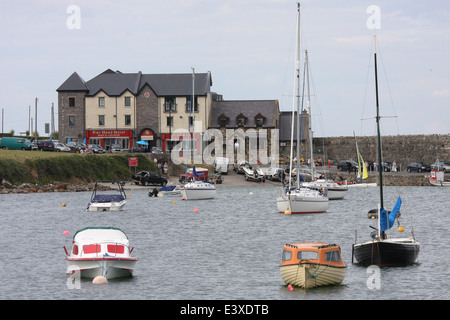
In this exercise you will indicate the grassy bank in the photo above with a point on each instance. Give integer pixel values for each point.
(48, 167)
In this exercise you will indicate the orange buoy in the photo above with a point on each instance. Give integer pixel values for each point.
(290, 287)
(195, 210)
(99, 280)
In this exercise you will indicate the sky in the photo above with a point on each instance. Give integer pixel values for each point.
(248, 46)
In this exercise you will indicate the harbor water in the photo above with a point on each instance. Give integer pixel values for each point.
(229, 248)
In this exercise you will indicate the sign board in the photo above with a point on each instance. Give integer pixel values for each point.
(133, 162)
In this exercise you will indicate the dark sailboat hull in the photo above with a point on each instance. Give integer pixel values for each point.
(387, 252)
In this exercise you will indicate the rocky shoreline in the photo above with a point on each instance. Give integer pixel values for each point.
(6, 187)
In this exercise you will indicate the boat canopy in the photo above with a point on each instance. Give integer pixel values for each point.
(387, 221)
(100, 234)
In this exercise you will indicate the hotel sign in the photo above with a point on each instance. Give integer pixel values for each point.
(109, 133)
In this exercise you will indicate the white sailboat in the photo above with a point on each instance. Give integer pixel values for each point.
(335, 191)
(196, 190)
(297, 198)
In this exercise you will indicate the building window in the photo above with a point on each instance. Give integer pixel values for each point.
(189, 105)
(170, 105)
(101, 101)
(191, 121)
(71, 102)
(101, 120)
(71, 121)
(169, 121)
(240, 122)
(259, 122)
(127, 101)
(128, 120)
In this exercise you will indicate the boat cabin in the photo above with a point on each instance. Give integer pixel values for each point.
(100, 242)
(314, 253)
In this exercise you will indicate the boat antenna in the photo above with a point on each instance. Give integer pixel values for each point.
(378, 128)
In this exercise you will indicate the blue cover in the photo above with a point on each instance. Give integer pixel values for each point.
(107, 198)
(167, 188)
(384, 219)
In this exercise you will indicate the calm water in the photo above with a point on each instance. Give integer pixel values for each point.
(229, 249)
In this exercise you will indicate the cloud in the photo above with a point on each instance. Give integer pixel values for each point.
(442, 93)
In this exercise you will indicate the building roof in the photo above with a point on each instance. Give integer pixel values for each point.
(115, 83)
(73, 83)
(249, 109)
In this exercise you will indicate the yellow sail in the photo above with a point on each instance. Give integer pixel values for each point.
(361, 174)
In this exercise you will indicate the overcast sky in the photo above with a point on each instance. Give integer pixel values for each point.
(248, 45)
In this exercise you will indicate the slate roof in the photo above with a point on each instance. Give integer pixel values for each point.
(248, 108)
(115, 83)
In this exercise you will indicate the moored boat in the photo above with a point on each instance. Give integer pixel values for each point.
(382, 250)
(198, 190)
(437, 179)
(100, 251)
(309, 265)
(170, 191)
(107, 201)
(335, 191)
(302, 200)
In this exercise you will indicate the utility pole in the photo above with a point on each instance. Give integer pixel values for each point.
(35, 114)
(29, 121)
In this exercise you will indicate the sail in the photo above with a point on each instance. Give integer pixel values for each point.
(195, 174)
(385, 219)
(361, 174)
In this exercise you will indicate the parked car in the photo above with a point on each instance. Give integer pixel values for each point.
(418, 167)
(274, 174)
(157, 150)
(76, 146)
(14, 143)
(46, 145)
(440, 165)
(117, 148)
(386, 166)
(347, 165)
(148, 177)
(95, 148)
(61, 147)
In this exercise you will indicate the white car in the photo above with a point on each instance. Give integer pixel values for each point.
(61, 147)
(274, 173)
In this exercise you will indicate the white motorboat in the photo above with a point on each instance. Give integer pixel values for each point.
(170, 191)
(253, 173)
(302, 200)
(107, 202)
(335, 191)
(100, 251)
(198, 190)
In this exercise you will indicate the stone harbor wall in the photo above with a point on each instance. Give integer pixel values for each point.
(401, 149)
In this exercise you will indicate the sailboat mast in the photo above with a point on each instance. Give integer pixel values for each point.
(295, 95)
(308, 102)
(189, 125)
(378, 128)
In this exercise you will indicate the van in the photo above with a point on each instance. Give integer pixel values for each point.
(13, 143)
(221, 165)
(46, 145)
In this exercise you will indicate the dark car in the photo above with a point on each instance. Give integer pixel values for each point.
(157, 150)
(418, 167)
(76, 146)
(386, 166)
(148, 177)
(45, 145)
(347, 165)
(95, 148)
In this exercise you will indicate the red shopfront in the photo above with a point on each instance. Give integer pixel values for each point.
(106, 138)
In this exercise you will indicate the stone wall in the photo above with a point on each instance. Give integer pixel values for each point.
(403, 148)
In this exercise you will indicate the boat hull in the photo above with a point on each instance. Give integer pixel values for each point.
(302, 204)
(362, 185)
(308, 275)
(106, 206)
(390, 252)
(110, 268)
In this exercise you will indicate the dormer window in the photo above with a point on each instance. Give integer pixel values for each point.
(223, 120)
(259, 120)
(241, 120)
